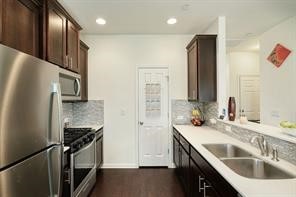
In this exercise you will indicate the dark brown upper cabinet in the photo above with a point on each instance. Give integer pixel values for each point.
(56, 24)
(202, 68)
(20, 25)
(62, 37)
(73, 46)
(83, 65)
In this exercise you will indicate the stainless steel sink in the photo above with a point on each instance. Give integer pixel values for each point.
(255, 168)
(226, 150)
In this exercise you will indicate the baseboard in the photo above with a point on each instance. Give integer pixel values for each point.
(173, 165)
(127, 165)
(119, 165)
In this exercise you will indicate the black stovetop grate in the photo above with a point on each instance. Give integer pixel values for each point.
(73, 134)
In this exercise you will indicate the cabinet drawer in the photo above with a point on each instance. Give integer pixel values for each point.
(184, 144)
(176, 134)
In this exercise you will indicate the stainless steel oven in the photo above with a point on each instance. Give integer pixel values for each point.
(70, 85)
(83, 170)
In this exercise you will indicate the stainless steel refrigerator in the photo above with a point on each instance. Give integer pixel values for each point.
(31, 133)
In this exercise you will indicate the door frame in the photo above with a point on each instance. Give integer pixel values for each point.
(239, 89)
(137, 141)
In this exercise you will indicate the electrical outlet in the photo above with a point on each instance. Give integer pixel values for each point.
(180, 117)
(213, 121)
(122, 112)
(228, 128)
(275, 114)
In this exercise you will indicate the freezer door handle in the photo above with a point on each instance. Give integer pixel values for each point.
(56, 170)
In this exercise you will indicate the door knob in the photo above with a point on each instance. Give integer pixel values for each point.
(141, 123)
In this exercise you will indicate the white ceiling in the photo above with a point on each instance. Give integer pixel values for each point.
(243, 17)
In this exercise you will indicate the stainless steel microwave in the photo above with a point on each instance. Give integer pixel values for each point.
(70, 85)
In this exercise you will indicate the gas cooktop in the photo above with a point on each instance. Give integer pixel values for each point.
(76, 138)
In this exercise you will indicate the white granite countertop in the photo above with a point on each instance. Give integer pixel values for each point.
(94, 127)
(197, 136)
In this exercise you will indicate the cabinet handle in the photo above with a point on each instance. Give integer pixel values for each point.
(200, 179)
(193, 94)
(182, 143)
(205, 186)
(66, 61)
(71, 60)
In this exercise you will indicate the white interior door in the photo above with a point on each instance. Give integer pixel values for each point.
(153, 117)
(250, 96)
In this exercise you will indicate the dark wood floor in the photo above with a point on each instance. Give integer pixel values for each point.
(143, 182)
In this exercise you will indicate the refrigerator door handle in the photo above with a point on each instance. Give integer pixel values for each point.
(56, 89)
(55, 192)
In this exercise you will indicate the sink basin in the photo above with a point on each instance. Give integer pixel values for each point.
(226, 150)
(255, 168)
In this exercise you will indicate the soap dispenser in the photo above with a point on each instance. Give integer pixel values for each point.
(243, 118)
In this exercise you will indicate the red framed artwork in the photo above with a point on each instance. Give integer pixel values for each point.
(278, 55)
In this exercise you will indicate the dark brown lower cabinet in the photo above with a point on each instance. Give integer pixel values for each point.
(200, 187)
(176, 153)
(99, 152)
(197, 176)
(185, 170)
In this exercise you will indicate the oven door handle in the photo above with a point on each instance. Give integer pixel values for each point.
(93, 141)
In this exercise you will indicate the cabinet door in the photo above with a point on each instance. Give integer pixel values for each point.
(20, 25)
(192, 72)
(73, 47)
(56, 36)
(207, 87)
(196, 178)
(83, 65)
(176, 153)
(199, 186)
(214, 182)
(185, 170)
(99, 152)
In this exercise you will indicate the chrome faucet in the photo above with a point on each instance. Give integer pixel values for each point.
(263, 145)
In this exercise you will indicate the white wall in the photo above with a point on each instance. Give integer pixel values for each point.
(241, 63)
(278, 90)
(219, 28)
(113, 60)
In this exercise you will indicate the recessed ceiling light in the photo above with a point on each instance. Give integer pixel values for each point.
(172, 21)
(101, 21)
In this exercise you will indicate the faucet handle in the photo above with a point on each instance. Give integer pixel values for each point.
(266, 147)
(275, 153)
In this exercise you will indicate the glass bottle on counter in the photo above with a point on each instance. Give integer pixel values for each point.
(231, 108)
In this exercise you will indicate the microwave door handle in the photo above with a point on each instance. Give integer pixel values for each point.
(77, 93)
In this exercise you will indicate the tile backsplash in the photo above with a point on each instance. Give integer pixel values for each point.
(84, 113)
(183, 108)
